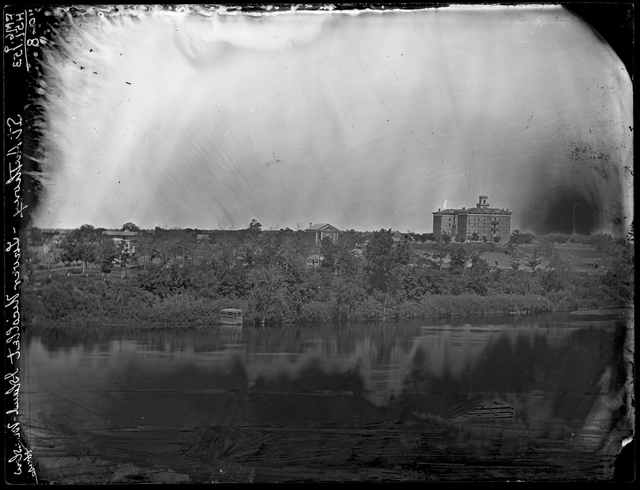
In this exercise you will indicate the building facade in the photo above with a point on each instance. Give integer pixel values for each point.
(126, 239)
(202, 253)
(484, 222)
(445, 222)
(319, 231)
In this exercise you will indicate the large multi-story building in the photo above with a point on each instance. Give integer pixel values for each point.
(485, 222)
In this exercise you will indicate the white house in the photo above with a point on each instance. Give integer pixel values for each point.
(322, 230)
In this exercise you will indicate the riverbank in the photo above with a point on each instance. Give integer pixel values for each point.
(100, 304)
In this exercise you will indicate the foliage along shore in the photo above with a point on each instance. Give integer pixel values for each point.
(388, 280)
(94, 302)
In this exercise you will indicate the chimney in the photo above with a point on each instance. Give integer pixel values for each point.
(310, 224)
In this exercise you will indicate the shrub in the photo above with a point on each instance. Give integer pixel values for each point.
(316, 312)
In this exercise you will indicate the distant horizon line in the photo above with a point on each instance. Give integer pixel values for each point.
(302, 230)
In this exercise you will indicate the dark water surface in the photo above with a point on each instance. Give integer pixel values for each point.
(518, 398)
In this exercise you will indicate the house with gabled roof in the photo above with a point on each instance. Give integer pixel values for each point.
(203, 252)
(398, 236)
(322, 230)
(124, 238)
(313, 260)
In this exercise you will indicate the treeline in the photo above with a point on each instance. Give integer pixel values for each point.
(264, 274)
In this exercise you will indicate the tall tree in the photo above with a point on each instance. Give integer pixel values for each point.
(516, 237)
(292, 251)
(268, 289)
(459, 258)
(81, 245)
(441, 248)
(380, 261)
(402, 251)
(557, 273)
(107, 253)
(513, 251)
(130, 227)
(479, 276)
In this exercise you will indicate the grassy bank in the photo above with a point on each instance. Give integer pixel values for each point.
(124, 304)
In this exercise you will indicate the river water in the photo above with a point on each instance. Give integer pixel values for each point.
(541, 397)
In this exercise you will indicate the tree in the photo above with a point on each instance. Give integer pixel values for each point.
(402, 251)
(459, 258)
(163, 281)
(144, 248)
(441, 249)
(337, 256)
(379, 260)
(232, 277)
(80, 245)
(329, 254)
(527, 237)
(516, 237)
(558, 238)
(107, 253)
(534, 260)
(515, 255)
(255, 225)
(427, 262)
(291, 252)
(546, 247)
(556, 275)
(479, 276)
(130, 227)
(268, 288)
(123, 256)
(601, 241)
(35, 235)
(167, 245)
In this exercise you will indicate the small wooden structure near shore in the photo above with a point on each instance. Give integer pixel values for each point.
(231, 316)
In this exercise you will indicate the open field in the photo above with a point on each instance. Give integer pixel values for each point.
(579, 257)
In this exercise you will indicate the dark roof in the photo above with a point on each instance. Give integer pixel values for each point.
(201, 244)
(120, 233)
(473, 211)
(483, 211)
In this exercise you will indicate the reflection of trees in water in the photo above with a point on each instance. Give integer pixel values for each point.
(542, 381)
(440, 366)
(61, 338)
(504, 359)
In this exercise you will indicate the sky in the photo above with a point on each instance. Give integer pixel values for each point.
(364, 120)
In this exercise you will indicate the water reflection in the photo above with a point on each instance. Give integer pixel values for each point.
(555, 378)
